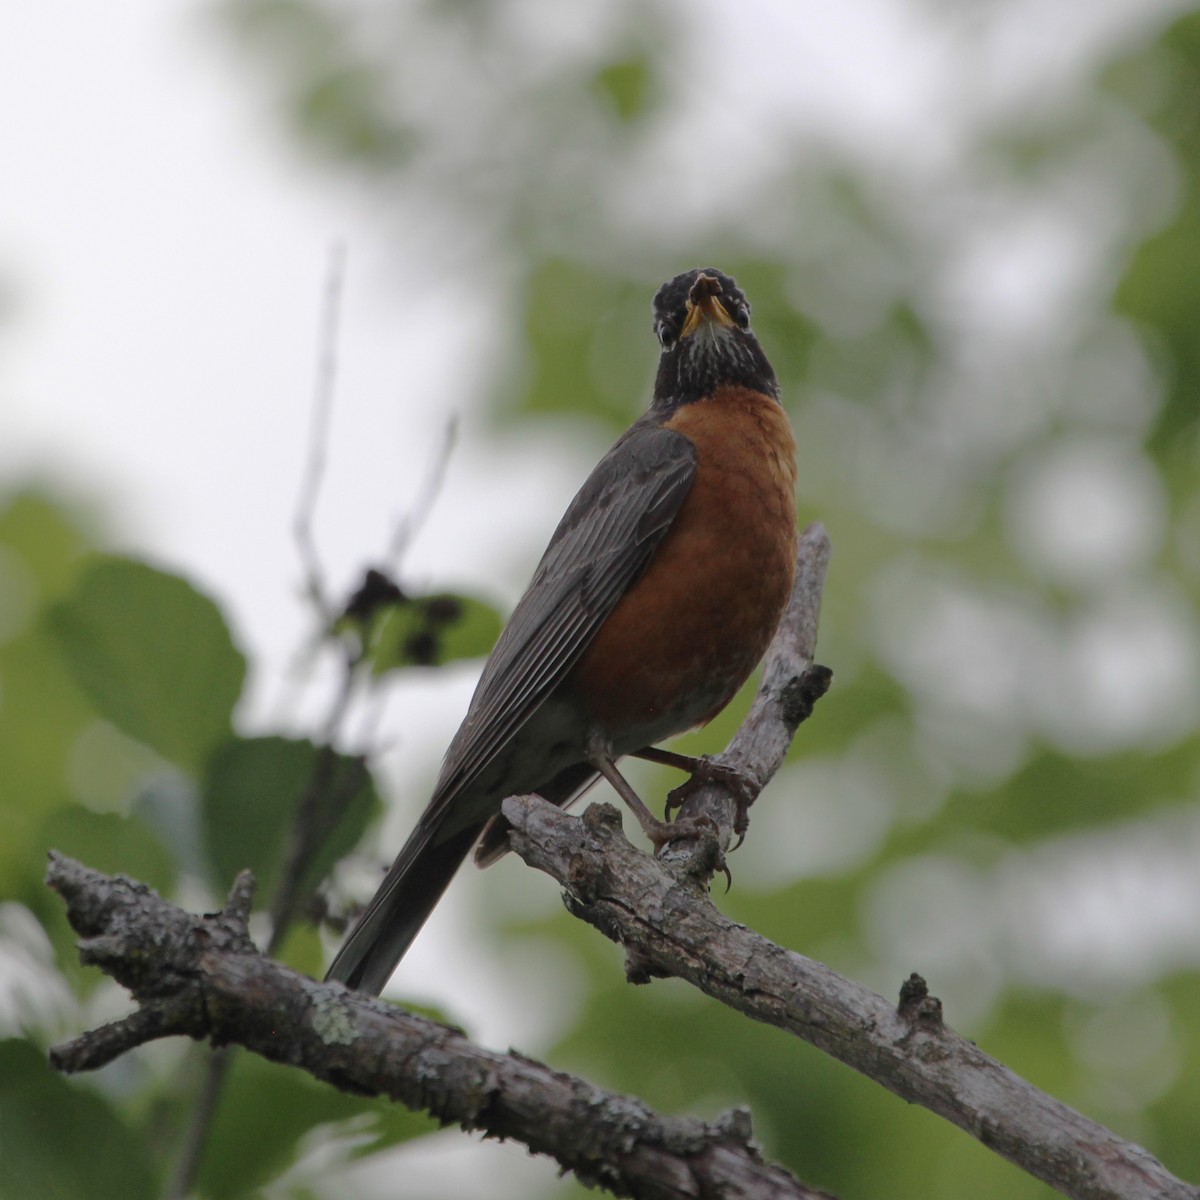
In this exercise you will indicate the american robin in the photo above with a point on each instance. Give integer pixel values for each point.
(653, 603)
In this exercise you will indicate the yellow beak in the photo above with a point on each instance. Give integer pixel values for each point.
(703, 305)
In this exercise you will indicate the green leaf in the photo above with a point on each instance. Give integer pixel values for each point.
(60, 1141)
(40, 548)
(153, 655)
(626, 86)
(249, 800)
(45, 537)
(588, 342)
(1160, 287)
(432, 631)
(37, 736)
(265, 1112)
(303, 950)
(344, 112)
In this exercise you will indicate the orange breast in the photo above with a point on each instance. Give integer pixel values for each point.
(690, 631)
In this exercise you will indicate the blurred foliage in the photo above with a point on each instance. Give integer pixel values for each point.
(392, 630)
(61, 1141)
(267, 1111)
(248, 798)
(153, 656)
(118, 683)
(1161, 283)
(988, 355)
(431, 631)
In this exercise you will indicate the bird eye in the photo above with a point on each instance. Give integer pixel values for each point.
(741, 314)
(665, 334)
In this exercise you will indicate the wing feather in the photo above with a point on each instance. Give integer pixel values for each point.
(601, 545)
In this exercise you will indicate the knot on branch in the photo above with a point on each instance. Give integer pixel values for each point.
(918, 1007)
(801, 693)
(735, 1128)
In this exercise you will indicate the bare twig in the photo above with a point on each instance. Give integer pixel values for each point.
(186, 1164)
(313, 806)
(217, 985)
(409, 524)
(318, 439)
(187, 1160)
(318, 810)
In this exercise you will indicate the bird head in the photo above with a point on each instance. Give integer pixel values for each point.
(702, 320)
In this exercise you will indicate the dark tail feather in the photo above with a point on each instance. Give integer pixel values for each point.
(409, 893)
(415, 883)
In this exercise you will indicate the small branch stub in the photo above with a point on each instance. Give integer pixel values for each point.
(917, 1006)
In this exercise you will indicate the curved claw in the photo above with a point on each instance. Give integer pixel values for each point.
(710, 770)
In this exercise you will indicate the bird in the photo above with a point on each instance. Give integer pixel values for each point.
(653, 603)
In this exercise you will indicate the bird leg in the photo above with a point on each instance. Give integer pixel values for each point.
(659, 832)
(702, 770)
(667, 758)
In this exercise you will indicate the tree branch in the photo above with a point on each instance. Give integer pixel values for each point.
(669, 926)
(659, 910)
(202, 976)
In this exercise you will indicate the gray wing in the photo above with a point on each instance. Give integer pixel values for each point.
(601, 545)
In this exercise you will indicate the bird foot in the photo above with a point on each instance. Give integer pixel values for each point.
(659, 832)
(695, 829)
(687, 829)
(740, 786)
